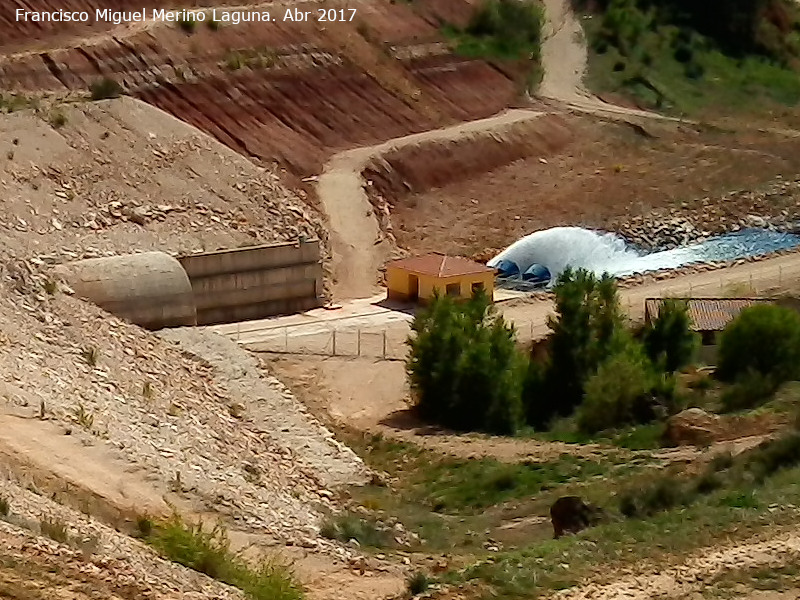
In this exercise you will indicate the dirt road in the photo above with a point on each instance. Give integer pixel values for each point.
(357, 244)
(682, 580)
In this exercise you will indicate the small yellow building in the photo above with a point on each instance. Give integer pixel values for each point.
(419, 277)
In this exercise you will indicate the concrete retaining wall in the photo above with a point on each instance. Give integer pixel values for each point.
(155, 290)
(254, 282)
(149, 289)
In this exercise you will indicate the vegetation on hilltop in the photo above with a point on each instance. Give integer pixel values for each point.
(684, 56)
(505, 30)
(501, 29)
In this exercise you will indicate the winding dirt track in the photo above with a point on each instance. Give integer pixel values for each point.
(357, 245)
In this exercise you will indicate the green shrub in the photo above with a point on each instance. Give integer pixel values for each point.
(641, 437)
(749, 390)
(105, 88)
(209, 552)
(763, 339)
(144, 526)
(588, 328)
(502, 29)
(738, 28)
(464, 369)
(663, 493)
(234, 61)
(91, 355)
(733, 477)
(57, 119)
(55, 529)
(618, 394)
(367, 532)
(5, 507)
(694, 70)
(684, 56)
(459, 486)
(710, 481)
(773, 455)
(417, 583)
(534, 393)
(187, 24)
(668, 340)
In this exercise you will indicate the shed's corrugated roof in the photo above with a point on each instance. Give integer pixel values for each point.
(709, 314)
(439, 265)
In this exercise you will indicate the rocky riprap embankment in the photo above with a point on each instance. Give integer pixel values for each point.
(775, 207)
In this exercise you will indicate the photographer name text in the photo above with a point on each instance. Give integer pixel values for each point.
(221, 16)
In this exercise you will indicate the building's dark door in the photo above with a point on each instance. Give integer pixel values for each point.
(413, 287)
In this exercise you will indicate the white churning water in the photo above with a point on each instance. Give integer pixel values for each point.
(600, 252)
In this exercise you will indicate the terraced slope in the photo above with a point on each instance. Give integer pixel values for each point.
(291, 92)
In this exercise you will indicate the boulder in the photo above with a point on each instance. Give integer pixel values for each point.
(570, 514)
(693, 426)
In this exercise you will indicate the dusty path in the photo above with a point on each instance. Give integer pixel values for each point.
(357, 244)
(378, 405)
(694, 574)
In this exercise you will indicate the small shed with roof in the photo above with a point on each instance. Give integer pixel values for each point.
(708, 317)
(419, 278)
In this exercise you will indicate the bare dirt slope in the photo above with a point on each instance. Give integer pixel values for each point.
(379, 406)
(164, 418)
(276, 412)
(293, 92)
(96, 562)
(120, 176)
(587, 173)
(103, 417)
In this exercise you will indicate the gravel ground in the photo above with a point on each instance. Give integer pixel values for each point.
(271, 407)
(121, 176)
(168, 414)
(95, 552)
(693, 574)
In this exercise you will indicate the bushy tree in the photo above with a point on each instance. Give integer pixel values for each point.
(763, 339)
(737, 27)
(588, 328)
(619, 393)
(464, 368)
(505, 28)
(668, 340)
(624, 24)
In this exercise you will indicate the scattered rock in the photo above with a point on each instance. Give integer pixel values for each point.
(773, 207)
(692, 426)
